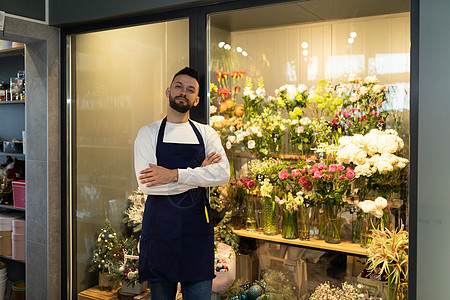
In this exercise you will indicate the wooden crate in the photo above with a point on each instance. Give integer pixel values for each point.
(94, 293)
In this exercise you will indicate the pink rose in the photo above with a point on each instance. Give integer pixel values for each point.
(346, 115)
(322, 166)
(296, 173)
(342, 177)
(332, 168)
(317, 175)
(340, 168)
(283, 175)
(350, 174)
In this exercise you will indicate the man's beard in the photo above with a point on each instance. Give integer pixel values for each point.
(180, 106)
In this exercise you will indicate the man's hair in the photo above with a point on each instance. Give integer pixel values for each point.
(189, 72)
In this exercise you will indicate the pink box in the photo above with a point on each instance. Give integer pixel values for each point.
(19, 193)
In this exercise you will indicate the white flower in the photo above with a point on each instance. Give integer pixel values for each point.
(251, 144)
(378, 213)
(305, 121)
(212, 109)
(371, 79)
(367, 206)
(231, 138)
(228, 145)
(380, 203)
(363, 90)
(299, 129)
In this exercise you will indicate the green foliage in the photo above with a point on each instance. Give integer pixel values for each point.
(224, 233)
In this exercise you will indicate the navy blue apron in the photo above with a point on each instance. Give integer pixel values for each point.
(177, 242)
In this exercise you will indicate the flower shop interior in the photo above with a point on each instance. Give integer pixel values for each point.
(312, 106)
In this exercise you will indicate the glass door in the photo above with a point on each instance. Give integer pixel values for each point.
(116, 84)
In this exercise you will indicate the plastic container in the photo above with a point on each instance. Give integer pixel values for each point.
(19, 193)
(18, 246)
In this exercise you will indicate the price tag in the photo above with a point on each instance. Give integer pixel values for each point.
(321, 155)
(260, 177)
(381, 125)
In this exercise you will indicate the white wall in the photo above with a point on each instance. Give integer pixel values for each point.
(433, 160)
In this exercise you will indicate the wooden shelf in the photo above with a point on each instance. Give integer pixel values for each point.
(12, 154)
(12, 102)
(12, 51)
(344, 246)
(11, 207)
(10, 258)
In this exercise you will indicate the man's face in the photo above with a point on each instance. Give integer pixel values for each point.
(183, 93)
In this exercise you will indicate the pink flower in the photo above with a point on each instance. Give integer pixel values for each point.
(304, 171)
(329, 176)
(350, 174)
(317, 175)
(322, 166)
(332, 168)
(283, 175)
(342, 177)
(250, 184)
(340, 168)
(346, 115)
(295, 173)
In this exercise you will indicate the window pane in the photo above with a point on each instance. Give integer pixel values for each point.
(296, 82)
(119, 78)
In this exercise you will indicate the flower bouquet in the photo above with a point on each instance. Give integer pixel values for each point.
(374, 217)
(331, 183)
(389, 253)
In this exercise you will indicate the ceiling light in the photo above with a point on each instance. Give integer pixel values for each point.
(244, 53)
(305, 52)
(305, 45)
(353, 34)
(350, 40)
(221, 44)
(238, 49)
(227, 47)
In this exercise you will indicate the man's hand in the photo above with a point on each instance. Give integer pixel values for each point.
(157, 175)
(211, 158)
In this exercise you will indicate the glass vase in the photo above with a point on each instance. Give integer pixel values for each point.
(304, 217)
(322, 216)
(334, 222)
(238, 217)
(392, 286)
(366, 230)
(251, 217)
(289, 228)
(358, 223)
(269, 216)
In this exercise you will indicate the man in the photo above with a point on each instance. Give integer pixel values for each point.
(172, 168)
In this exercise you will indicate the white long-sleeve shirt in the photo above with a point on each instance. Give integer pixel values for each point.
(145, 153)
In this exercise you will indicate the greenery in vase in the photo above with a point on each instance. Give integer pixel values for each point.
(388, 253)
